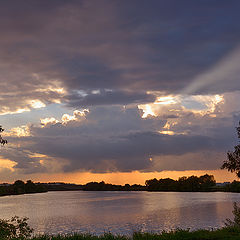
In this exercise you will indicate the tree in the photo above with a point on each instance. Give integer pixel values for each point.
(2, 141)
(236, 214)
(30, 187)
(19, 187)
(232, 164)
(152, 184)
(206, 181)
(15, 228)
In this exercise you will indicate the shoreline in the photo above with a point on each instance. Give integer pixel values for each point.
(76, 190)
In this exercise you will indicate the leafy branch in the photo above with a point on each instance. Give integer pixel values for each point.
(2, 141)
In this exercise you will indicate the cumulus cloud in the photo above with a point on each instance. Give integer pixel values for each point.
(107, 139)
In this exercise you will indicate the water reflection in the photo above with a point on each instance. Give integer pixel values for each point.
(119, 212)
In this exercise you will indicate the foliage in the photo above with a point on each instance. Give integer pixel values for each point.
(236, 219)
(15, 228)
(190, 184)
(230, 233)
(232, 187)
(102, 186)
(19, 187)
(2, 141)
(18, 229)
(232, 164)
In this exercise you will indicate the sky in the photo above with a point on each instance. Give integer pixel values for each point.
(120, 91)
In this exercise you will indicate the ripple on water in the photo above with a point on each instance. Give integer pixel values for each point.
(119, 212)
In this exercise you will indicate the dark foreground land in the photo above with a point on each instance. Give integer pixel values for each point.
(232, 233)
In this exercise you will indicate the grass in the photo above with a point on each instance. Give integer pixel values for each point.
(227, 233)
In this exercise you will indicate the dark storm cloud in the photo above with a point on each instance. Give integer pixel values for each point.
(104, 97)
(155, 46)
(117, 153)
(88, 45)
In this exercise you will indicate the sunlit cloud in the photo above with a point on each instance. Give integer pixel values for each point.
(21, 131)
(37, 104)
(167, 132)
(41, 158)
(46, 121)
(77, 115)
(167, 100)
(30, 104)
(7, 164)
(6, 111)
(201, 104)
(147, 110)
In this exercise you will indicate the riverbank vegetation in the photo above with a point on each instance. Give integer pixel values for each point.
(19, 187)
(220, 234)
(18, 229)
(227, 233)
(183, 184)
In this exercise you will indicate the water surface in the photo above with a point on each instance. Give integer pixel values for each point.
(119, 212)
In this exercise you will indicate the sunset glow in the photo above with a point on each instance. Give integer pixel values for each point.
(93, 90)
(119, 119)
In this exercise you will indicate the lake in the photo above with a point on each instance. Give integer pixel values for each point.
(119, 212)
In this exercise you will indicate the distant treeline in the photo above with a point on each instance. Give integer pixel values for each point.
(187, 184)
(205, 183)
(183, 184)
(19, 187)
(102, 186)
(60, 186)
(233, 187)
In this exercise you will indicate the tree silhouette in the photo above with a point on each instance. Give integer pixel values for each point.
(232, 164)
(186, 184)
(19, 187)
(2, 141)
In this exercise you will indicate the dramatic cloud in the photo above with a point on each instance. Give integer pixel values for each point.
(108, 139)
(108, 97)
(49, 48)
(108, 86)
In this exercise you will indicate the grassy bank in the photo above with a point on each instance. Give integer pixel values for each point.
(230, 233)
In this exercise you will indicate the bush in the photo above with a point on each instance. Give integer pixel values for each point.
(15, 227)
(236, 219)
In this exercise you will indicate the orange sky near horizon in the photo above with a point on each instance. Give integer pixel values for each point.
(127, 177)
